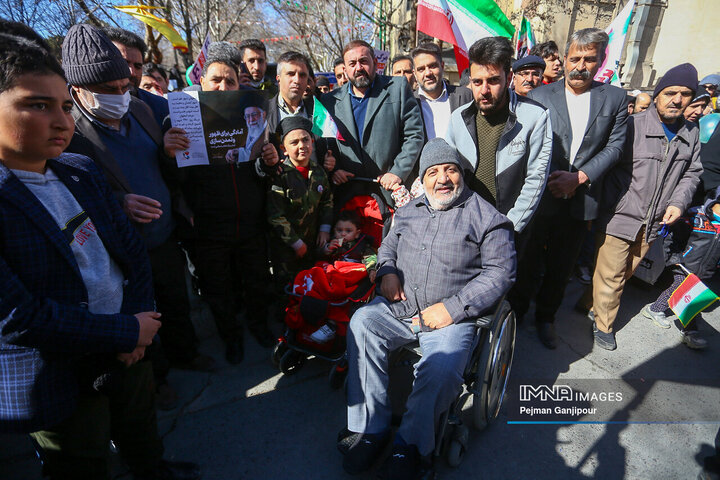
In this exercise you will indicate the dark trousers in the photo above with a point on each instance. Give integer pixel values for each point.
(548, 259)
(231, 271)
(78, 447)
(177, 332)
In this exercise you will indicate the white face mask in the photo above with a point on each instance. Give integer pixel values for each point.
(107, 105)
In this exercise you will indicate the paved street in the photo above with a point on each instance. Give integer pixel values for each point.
(250, 422)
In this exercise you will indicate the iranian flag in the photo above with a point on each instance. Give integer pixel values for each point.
(691, 298)
(526, 39)
(462, 23)
(323, 123)
(617, 31)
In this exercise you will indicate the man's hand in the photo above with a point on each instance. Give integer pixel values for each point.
(301, 250)
(269, 155)
(244, 79)
(563, 184)
(322, 238)
(341, 176)
(175, 140)
(389, 181)
(436, 316)
(149, 325)
(391, 288)
(671, 215)
(232, 155)
(133, 357)
(371, 275)
(141, 209)
(329, 162)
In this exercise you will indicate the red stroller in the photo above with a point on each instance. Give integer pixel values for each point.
(323, 298)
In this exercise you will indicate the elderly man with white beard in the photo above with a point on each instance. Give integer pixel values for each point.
(447, 260)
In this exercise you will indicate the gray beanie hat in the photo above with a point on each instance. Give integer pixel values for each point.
(437, 152)
(89, 57)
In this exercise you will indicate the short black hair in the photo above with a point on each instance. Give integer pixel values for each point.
(355, 44)
(126, 38)
(338, 61)
(224, 51)
(428, 48)
(544, 50)
(492, 51)
(293, 57)
(252, 44)
(150, 68)
(21, 53)
(349, 216)
(400, 58)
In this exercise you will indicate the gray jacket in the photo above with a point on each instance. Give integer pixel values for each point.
(463, 257)
(522, 160)
(601, 147)
(652, 175)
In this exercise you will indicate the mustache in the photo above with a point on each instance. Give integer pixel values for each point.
(576, 75)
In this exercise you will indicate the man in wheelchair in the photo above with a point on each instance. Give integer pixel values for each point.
(448, 259)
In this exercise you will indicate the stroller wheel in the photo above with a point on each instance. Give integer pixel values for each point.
(291, 362)
(455, 453)
(277, 352)
(338, 374)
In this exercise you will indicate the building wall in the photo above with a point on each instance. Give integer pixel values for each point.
(689, 32)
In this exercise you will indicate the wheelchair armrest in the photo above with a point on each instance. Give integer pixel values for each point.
(485, 321)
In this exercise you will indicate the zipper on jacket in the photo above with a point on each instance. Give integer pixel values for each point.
(656, 194)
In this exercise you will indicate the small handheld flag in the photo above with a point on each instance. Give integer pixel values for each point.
(323, 123)
(691, 298)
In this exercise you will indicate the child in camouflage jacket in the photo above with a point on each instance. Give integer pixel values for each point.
(299, 202)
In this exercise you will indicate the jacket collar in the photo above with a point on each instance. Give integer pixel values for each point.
(655, 127)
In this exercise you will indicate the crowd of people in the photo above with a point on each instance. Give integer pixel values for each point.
(508, 180)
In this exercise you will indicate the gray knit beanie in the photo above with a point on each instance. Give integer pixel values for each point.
(437, 152)
(89, 57)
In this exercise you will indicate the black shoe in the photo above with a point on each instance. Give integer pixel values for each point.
(235, 352)
(364, 451)
(201, 363)
(346, 439)
(171, 471)
(546, 332)
(402, 464)
(603, 339)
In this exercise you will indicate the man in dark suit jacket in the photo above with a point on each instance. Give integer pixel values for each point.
(589, 128)
(381, 124)
(293, 73)
(436, 98)
(128, 147)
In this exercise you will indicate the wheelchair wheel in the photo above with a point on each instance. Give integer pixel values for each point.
(291, 362)
(277, 352)
(494, 371)
(338, 374)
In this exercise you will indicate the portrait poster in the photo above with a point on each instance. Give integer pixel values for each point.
(223, 127)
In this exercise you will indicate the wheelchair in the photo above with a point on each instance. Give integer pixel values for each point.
(485, 379)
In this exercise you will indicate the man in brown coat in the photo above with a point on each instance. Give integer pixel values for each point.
(651, 187)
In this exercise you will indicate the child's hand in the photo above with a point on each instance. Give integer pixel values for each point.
(322, 238)
(371, 275)
(329, 163)
(270, 155)
(301, 250)
(335, 243)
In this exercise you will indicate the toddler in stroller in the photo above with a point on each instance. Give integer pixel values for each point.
(323, 298)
